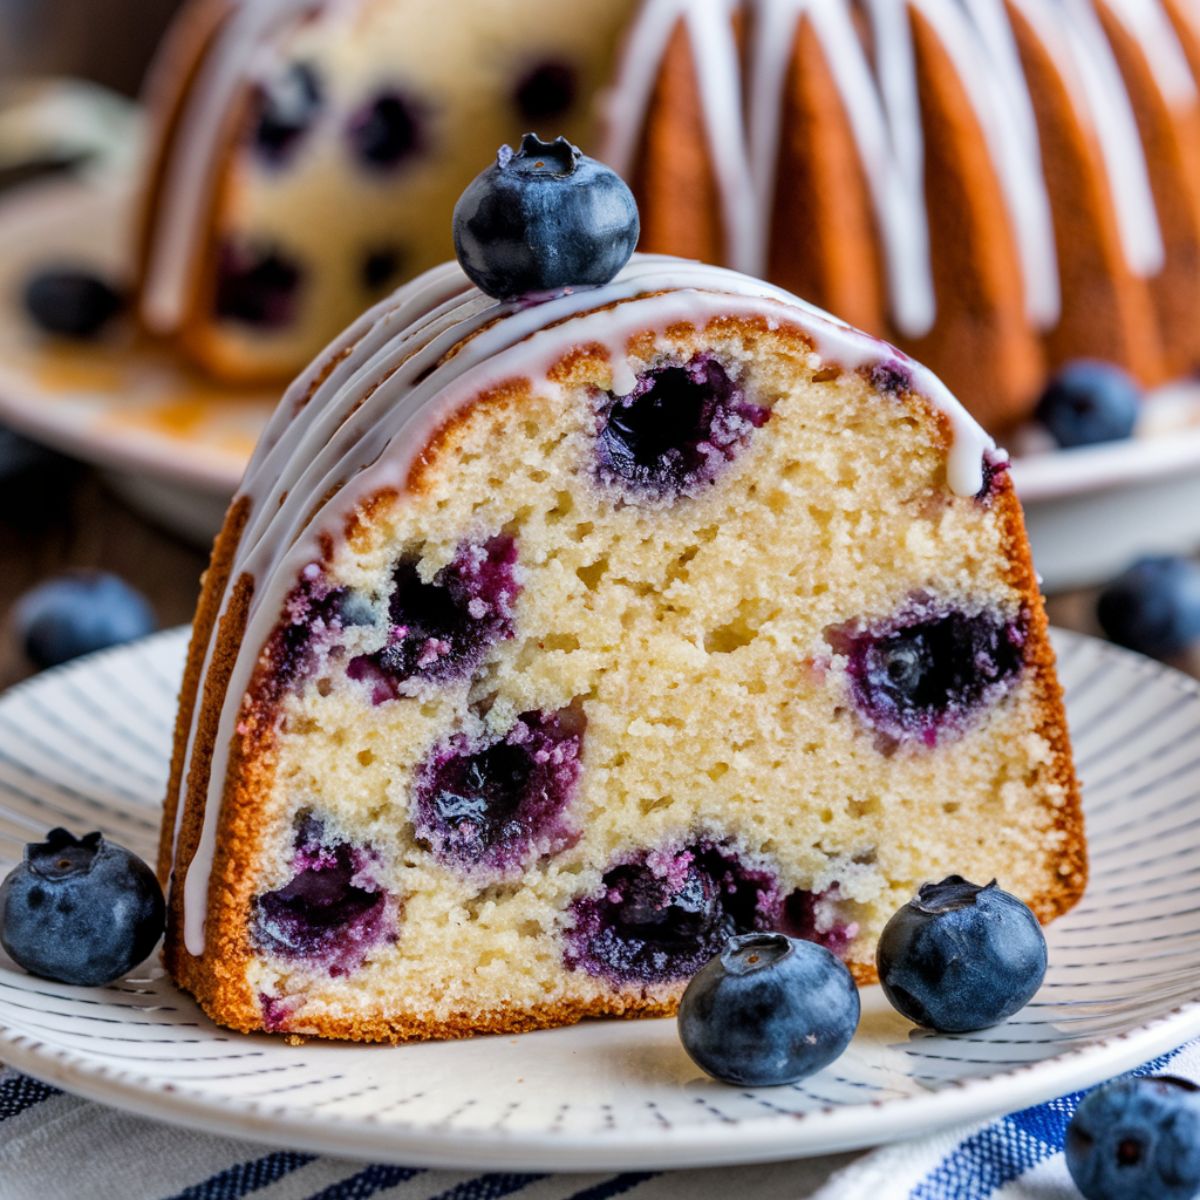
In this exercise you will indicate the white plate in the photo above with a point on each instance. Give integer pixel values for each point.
(86, 746)
(178, 442)
(174, 441)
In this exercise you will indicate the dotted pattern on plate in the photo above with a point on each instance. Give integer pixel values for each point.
(86, 746)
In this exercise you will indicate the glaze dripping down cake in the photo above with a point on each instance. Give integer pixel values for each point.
(548, 644)
(997, 186)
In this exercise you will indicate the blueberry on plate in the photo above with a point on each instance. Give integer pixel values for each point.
(1137, 1139)
(1089, 402)
(77, 613)
(767, 1010)
(70, 302)
(1154, 607)
(959, 957)
(543, 219)
(83, 911)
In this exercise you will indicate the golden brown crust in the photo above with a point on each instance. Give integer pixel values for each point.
(823, 241)
(1069, 864)
(229, 1003)
(218, 979)
(673, 161)
(212, 589)
(221, 969)
(171, 86)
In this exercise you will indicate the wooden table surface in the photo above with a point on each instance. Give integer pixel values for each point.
(92, 528)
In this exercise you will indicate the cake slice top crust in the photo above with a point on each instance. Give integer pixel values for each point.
(364, 419)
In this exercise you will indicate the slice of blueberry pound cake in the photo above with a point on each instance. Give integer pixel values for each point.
(553, 640)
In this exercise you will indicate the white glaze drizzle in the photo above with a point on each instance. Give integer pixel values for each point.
(193, 152)
(393, 386)
(707, 26)
(1120, 142)
(899, 214)
(1151, 27)
(1006, 111)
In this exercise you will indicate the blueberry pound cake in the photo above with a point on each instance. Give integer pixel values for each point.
(550, 642)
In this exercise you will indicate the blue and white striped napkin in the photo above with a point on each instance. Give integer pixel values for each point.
(55, 1147)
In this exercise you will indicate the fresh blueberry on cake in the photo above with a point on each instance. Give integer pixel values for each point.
(544, 218)
(557, 637)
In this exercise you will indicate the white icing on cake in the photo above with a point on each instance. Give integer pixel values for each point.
(392, 387)
(191, 171)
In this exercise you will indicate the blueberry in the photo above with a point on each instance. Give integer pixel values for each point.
(331, 911)
(381, 266)
(1089, 402)
(916, 676)
(77, 613)
(315, 614)
(440, 629)
(1154, 607)
(1137, 1139)
(71, 302)
(815, 917)
(676, 429)
(493, 805)
(959, 957)
(257, 286)
(546, 91)
(287, 106)
(768, 1010)
(996, 465)
(387, 132)
(659, 917)
(83, 911)
(543, 219)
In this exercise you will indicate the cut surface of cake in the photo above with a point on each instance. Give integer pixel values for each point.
(549, 643)
(997, 186)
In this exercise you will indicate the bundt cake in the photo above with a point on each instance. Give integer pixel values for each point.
(998, 186)
(550, 641)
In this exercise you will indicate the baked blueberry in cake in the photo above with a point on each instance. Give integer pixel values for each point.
(552, 641)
